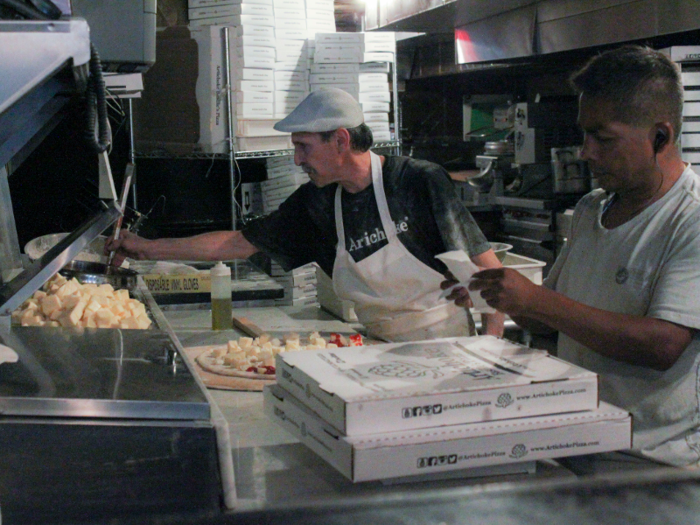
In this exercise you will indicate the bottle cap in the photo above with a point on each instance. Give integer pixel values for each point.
(220, 269)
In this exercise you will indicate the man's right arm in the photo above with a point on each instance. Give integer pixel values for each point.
(211, 246)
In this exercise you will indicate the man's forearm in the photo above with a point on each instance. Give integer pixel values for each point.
(637, 340)
(212, 246)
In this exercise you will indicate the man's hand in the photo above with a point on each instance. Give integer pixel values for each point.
(458, 294)
(127, 245)
(506, 290)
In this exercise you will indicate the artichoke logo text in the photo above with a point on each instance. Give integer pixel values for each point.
(424, 410)
(518, 451)
(504, 400)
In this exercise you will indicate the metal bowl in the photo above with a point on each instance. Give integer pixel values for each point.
(98, 273)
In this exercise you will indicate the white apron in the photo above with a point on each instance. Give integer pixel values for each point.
(396, 296)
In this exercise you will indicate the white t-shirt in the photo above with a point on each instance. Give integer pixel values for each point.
(649, 266)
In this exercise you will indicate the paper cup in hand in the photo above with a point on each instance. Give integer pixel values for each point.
(461, 266)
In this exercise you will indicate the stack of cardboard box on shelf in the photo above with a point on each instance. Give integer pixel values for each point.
(269, 66)
(442, 408)
(358, 63)
(688, 58)
(283, 178)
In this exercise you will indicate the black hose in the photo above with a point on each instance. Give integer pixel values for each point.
(96, 99)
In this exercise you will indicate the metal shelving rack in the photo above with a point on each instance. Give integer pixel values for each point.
(233, 156)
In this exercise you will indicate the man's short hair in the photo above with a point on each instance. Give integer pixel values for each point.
(643, 85)
(361, 138)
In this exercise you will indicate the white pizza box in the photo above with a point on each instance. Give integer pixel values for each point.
(276, 269)
(257, 128)
(254, 97)
(376, 117)
(254, 111)
(285, 109)
(330, 301)
(403, 386)
(256, 40)
(356, 37)
(691, 95)
(296, 64)
(256, 52)
(247, 60)
(235, 20)
(287, 12)
(209, 90)
(691, 109)
(290, 4)
(451, 448)
(298, 86)
(334, 68)
(370, 106)
(341, 78)
(691, 127)
(690, 140)
(375, 67)
(281, 172)
(382, 136)
(277, 193)
(379, 128)
(251, 73)
(294, 23)
(263, 143)
(291, 33)
(214, 11)
(318, 4)
(301, 301)
(255, 85)
(282, 44)
(254, 30)
(289, 97)
(374, 96)
(325, 14)
(295, 179)
(300, 280)
(682, 53)
(208, 3)
(690, 78)
(204, 3)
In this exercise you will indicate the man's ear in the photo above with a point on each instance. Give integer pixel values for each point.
(342, 138)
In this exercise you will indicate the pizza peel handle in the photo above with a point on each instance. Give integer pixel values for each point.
(247, 327)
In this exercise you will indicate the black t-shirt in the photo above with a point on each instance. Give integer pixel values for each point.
(429, 217)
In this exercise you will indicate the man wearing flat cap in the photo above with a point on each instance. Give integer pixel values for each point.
(374, 223)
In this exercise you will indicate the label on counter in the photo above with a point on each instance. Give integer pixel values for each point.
(178, 283)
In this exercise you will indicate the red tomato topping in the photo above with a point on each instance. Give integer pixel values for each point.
(251, 369)
(336, 339)
(356, 340)
(270, 370)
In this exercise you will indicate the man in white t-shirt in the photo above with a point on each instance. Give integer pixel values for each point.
(624, 294)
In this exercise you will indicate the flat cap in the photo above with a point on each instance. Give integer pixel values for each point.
(326, 109)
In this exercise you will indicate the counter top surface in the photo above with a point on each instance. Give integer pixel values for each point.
(274, 470)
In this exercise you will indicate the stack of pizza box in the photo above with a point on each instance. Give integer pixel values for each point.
(442, 408)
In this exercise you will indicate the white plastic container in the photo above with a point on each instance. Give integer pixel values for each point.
(530, 268)
(221, 306)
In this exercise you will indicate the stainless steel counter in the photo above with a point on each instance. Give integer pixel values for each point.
(275, 471)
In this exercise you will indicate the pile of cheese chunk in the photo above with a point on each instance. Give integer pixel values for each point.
(258, 354)
(68, 303)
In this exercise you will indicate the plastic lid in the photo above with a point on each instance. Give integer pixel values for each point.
(220, 270)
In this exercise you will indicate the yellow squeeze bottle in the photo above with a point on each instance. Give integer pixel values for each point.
(221, 307)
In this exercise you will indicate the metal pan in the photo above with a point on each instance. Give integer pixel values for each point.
(98, 273)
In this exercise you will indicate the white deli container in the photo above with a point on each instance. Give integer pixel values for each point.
(418, 384)
(456, 448)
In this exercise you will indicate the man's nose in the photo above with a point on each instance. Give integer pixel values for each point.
(586, 149)
(297, 158)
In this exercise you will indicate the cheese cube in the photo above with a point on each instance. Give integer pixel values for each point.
(104, 318)
(50, 304)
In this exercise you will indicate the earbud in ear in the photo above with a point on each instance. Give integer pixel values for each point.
(659, 140)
